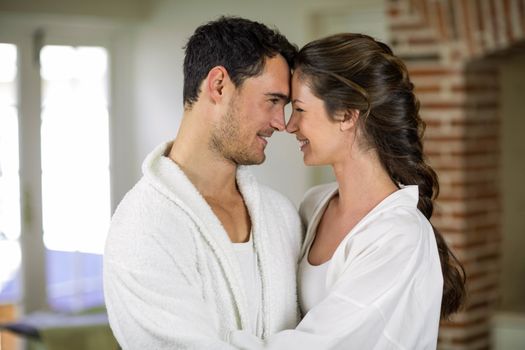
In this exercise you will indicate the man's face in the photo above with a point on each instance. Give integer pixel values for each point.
(255, 111)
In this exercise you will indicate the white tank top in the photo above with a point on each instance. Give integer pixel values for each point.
(312, 283)
(252, 281)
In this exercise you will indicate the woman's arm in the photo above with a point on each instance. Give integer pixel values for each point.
(375, 303)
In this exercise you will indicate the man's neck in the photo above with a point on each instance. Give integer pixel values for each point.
(212, 175)
(215, 179)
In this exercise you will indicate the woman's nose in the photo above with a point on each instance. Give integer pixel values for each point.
(291, 127)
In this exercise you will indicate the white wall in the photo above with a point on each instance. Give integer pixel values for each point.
(147, 67)
(508, 331)
(114, 9)
(159, 56)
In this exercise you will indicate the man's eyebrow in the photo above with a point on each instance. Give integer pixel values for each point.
(283, 97)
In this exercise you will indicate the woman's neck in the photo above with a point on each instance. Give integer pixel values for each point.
(363, 183)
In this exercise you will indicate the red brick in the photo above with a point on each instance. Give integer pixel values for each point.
(393, 12)
(507, 21)
(422, 41)
(409, 27)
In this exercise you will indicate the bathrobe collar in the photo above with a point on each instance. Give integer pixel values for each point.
(168, 178)
(405, 196)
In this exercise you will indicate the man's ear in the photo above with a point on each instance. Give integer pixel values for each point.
(349, 119)
(215, 83)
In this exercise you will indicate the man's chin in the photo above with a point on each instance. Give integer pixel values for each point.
(260, 161)
(252, 161)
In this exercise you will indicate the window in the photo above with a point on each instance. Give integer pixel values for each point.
(9, 178)
(54, 166)
(75, 172)
(75, 148)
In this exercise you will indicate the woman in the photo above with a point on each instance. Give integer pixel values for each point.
(375, 274)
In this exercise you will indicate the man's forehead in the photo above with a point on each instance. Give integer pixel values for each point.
(267, 85)
(276, 65)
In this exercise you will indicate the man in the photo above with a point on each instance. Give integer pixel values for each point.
(198, 248)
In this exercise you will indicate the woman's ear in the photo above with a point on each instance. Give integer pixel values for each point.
(215, 82)
(349, 119)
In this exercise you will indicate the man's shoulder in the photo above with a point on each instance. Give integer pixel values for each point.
(145, 206)
(270, 194)
(146, 215)
(252, 188)
(140, 197)
(279, 206)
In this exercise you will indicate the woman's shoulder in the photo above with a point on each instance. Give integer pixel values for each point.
(317, 193)
(314, 197)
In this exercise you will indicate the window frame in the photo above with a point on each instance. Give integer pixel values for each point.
(25, 31)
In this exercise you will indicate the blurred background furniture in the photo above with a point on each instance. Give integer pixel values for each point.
(58, 331)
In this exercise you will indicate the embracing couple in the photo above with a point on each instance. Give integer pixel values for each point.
(202, 256)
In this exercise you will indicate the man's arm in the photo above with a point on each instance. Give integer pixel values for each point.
(153, 303)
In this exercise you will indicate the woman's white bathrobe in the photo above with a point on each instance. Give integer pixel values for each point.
(171, 277)
(384, 282)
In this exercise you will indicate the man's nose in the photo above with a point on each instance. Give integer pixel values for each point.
(277, 121)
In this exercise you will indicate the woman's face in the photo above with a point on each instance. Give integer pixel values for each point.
(320, 137)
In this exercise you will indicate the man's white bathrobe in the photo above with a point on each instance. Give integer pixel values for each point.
(383, 283)
(171, 277)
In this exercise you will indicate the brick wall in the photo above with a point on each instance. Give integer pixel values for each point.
(451, 48)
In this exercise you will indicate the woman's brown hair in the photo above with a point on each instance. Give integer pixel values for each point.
(354, 71)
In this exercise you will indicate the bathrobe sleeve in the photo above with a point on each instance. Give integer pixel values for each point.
(371, 283)
(153, 302)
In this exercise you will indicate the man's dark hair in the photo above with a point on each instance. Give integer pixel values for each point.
(239, 45)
